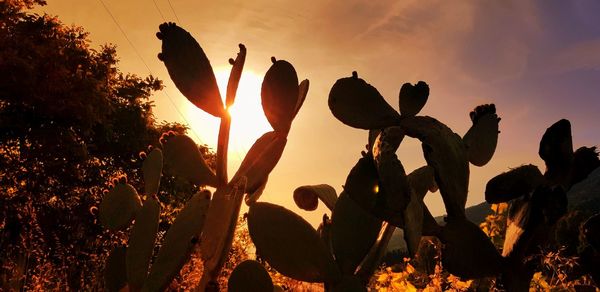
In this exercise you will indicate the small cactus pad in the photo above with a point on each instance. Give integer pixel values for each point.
(468, 252)
(185, 160)
(413, 98)
(115, 276)
(413, 223)
(512, 184)
(260, 160)
(279, 95)
(556, 149)
(235, 75)
(482, 137)
(249, 275)
(221, 220)
(190, 69)
(358, 104)
(363, 186)
(307, 197)
(302, 92)
(119, 206)
(324, 231)
(141, 243)
(392, 177)
(353, 233)
(422, 180)
(430, 226)
(290, 244)
(152, 169)
(178, 242)
(446, 153)
(585, 161)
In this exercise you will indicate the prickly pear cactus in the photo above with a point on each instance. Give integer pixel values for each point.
(537, 201)
(378, 190)
(189, 68)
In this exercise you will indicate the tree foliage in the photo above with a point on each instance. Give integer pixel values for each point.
(70, 121)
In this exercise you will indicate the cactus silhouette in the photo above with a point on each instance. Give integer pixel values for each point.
(379, 196)
(207, 221)
(538, 201)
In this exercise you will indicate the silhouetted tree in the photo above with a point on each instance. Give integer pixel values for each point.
(69, 122)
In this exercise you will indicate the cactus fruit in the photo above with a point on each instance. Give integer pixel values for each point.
(152, 170)
(353, 233)
(358, 104)
(249, 275)
(482, 137)
(178, 242)
(290, 244)
(183, 157)
(307, 197)
(141, 243)
(279, 95)
(119, 206)
(190, 69)
(115, 275)
(512, 184)
(413, 98)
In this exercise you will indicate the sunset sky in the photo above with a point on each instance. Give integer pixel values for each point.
(538, 61)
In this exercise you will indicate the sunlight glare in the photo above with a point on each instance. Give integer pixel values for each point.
(248, 121)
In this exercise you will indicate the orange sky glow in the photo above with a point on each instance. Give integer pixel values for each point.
(537, 64)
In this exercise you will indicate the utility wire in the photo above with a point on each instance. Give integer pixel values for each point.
(147, 67)
(159, 12)
(174, 13)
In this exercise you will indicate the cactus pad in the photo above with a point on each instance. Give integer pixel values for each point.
(290, 244)
(152, 169)
(413, 98)
(178, 242)
(482, 137)
(556, 149)
(190, 69)
(353, 233)
(279, 95)
(141, 243)
(302, 92)
(260, 160)
(185, 160)
(358, 104)
(249, 275)
(446, 153)
(468, 252)
(512, 184)
(307, 197)
(115, 276)
(119, 206)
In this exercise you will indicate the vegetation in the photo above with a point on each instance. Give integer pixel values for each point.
(70, 122)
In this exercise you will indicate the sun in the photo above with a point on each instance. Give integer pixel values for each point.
(248, 121)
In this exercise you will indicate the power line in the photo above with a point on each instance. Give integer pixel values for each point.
(159, 12)
(147, 67)
(174, 13)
